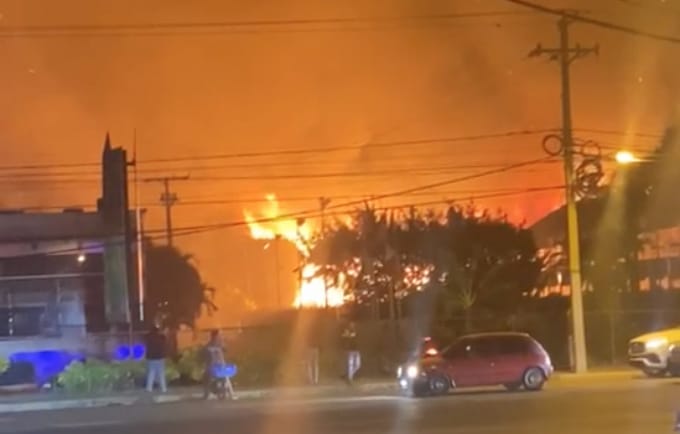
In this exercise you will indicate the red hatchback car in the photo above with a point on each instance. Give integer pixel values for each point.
(513, 360)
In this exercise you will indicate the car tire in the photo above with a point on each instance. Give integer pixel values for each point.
(655, 373)
(513, 387)
(674, 369)
(533, 379)
(439, 384)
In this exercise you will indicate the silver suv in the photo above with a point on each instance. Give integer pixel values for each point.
(651, 352)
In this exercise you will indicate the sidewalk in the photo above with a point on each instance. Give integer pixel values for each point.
(57, 401)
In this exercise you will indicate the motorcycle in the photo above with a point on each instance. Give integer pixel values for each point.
(220, 380)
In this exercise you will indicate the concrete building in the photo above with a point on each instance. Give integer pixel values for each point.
(67, 279)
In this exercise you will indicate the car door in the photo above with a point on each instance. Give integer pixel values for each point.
(510, 360)
(486, 356)
(467, 362)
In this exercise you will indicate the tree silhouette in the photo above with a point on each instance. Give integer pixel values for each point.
(175, 292)
(472, 259)
(490, 264)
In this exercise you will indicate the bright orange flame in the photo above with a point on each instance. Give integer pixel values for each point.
(269, 226)
(312, 291)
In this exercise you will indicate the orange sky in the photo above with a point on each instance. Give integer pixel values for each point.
(262, 89)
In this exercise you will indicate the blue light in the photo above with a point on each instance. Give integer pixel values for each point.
(122, 353)
(138, 351)
(47, 364)
(125, 352)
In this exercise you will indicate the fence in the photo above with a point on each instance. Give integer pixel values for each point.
(384, 344)
(277, 353)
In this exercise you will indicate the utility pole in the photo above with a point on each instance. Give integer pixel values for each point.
(168, 199)
(139, 229)
(323, 204)
(566, 55)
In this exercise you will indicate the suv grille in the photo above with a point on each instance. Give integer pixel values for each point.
(636, 348)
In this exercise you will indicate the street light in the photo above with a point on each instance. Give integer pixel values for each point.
(626, 157)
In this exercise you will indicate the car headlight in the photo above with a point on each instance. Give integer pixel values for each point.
(412, 371)
(400, 371)
(656, 343)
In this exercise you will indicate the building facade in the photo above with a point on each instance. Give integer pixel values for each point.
(67, 279)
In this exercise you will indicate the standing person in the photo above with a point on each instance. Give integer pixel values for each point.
(156, 352)
(214, 355)
(312, 358)
(351, 347)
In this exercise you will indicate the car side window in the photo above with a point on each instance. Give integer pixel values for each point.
(513, 345)
(457, 350)
(484, 347)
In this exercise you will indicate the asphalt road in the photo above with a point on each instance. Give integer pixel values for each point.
(622, 406)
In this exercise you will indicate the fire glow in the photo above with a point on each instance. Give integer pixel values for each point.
(269, 225)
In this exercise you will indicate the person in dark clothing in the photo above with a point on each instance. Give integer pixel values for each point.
(351, 347)
(156, 352)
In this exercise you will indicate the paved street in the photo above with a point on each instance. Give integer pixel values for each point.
(615, 406)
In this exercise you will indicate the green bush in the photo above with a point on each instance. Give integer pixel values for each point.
(92, 376)
(190, 364)
(255, 369)
(95, 376)
(171, 371)
(131, 373)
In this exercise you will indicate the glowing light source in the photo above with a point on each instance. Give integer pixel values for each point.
(625, 157)
(81, 258)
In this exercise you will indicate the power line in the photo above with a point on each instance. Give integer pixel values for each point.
(151, 28)
(189, 230)
(424, 172)
(312, 212)
(450, 181)
(203, 201)
(368, 171)
(193, 230)
(620, 133)
(301, 151)
(650, 8)
(364, 147)
(596, 22)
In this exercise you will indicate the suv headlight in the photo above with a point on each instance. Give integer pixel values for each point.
(657, 343)
(412, 371)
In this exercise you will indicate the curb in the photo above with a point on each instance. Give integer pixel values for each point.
(603, 375)
(284, 393)
(18, 407)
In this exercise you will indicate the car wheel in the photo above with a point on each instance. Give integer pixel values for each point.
(533, 379)
(674, 370)
(655, 373)
(439, 384)
(513, 387)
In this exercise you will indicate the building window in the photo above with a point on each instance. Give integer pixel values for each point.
(28, 308)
